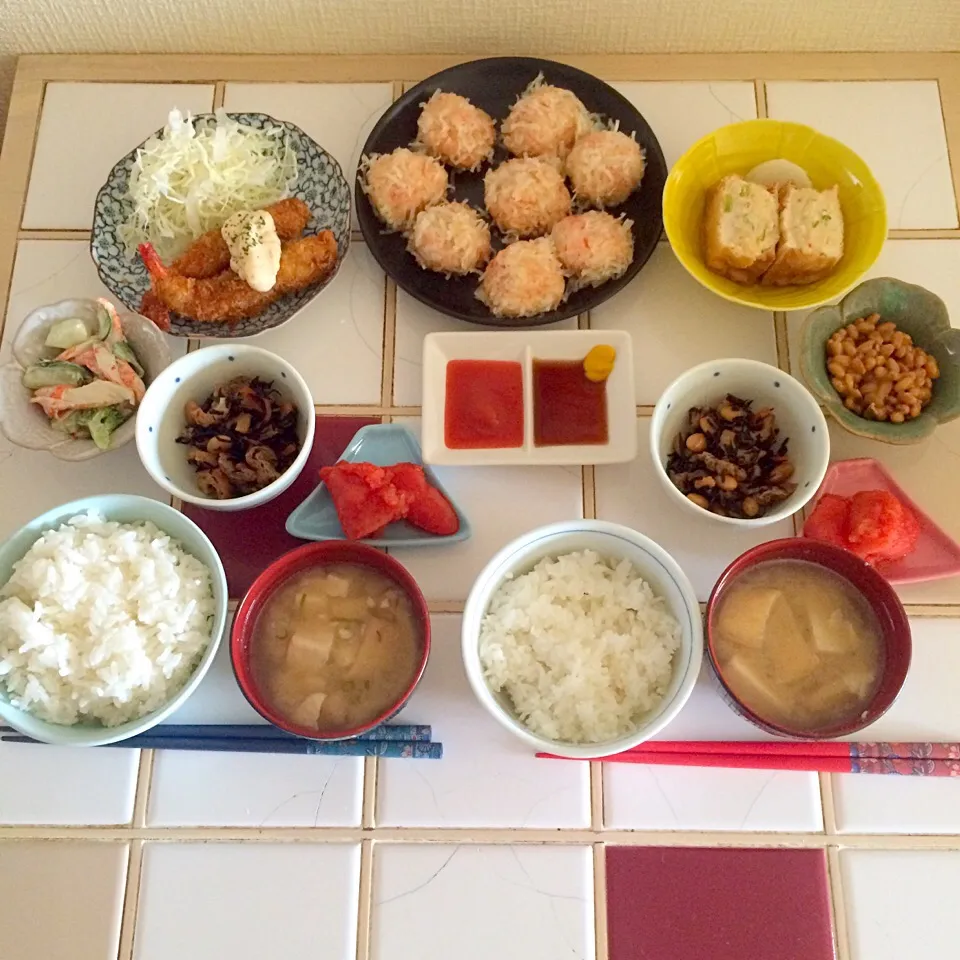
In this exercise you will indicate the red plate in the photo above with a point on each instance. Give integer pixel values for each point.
(936, 555)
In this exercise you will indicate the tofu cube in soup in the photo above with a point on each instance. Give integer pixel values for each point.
(752, 685)
(334, 586)
(373, 649)
(349, 608)
(307, 712)
(746, 615)
(310, 647)
(831, 632)
(790, 653)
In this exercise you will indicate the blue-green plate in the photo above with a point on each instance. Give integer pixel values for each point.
(383, 445)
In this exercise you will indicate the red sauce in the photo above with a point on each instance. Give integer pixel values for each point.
(567, 407)
(484, 404)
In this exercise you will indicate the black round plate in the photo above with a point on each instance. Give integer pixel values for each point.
(494, 85)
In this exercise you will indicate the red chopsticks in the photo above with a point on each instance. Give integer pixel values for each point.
(904, 759)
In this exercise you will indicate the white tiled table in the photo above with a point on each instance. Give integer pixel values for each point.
(200, 855)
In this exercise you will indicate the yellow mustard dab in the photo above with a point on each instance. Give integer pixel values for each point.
(598, 363)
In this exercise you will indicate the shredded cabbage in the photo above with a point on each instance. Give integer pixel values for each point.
(190, 179)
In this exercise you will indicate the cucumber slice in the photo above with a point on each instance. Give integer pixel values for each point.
(67, 333)
(105, 324)
(103, 422)
(123, 351)
(54, 373)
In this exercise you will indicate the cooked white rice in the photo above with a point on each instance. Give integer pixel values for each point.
(102, 622)
(581, 645)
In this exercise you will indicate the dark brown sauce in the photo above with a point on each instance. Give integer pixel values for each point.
(567, 407)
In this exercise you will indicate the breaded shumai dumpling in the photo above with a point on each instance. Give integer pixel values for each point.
(455, 131)
(545, 121)
(450, 238)
(605, 167)
(526, 196)
(401, 184)
(523, 280)
(593, 247)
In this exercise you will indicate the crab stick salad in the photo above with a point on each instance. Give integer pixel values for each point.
(93, 384)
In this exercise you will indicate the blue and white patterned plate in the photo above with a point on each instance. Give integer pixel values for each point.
(320, 185)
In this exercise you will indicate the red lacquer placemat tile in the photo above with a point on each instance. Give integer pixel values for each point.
(250, 540)
(717, 904)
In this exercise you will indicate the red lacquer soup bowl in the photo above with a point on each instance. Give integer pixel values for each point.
(894, 628)
(310, 557)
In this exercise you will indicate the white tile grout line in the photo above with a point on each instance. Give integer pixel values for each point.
(141, 799)
(827, 804)
(950, 159)
(368, 810)
(600, 940)
(840, 924)
(365, 900)
(760, 97)
(388, 354)
(131, 901)
(131, 897)
(356, 236)
(485, 835)
(596, 796)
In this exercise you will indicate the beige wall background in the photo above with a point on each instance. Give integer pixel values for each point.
(469, 27)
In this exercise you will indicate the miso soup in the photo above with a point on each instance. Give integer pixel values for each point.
(335, 647)
(799, 645)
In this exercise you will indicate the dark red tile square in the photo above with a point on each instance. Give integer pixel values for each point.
(248, 541)
(694, 903)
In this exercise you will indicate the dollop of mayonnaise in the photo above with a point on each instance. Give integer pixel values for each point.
(254, 248)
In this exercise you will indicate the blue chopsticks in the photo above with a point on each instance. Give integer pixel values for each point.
(411, 741)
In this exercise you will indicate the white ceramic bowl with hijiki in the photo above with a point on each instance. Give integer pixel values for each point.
(798, 419)
(193, 378)
(24, 423)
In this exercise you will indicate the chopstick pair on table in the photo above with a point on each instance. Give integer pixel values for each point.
(396, 741)
(904, 759)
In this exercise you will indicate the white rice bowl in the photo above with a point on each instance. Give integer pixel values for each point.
(581, 645)
(103, 622)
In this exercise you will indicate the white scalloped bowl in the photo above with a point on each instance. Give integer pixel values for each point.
(24, 423)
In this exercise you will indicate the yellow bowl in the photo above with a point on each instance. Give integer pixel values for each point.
(738, 148)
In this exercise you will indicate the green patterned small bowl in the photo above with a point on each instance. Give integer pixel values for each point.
(914, 310)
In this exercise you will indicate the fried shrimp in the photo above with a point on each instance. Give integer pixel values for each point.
(209, 255)
(226, 297)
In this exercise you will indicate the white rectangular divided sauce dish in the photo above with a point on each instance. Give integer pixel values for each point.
(523, 347)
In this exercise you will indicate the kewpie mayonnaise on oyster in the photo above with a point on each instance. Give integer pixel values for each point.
(254, 248)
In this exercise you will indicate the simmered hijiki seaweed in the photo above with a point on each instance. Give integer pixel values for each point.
(241, 438)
